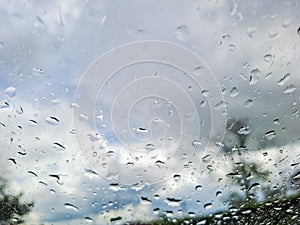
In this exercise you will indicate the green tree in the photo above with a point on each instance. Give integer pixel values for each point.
(11, 208)
(245, 174)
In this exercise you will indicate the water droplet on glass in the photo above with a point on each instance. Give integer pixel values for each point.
(273, 34)
(248, 103)
(10, 91)
(37, 71)
(52, 120)
(234, 92)
(173, 202)
(268, 58)
(198, 188)
(284, 79)
(289, 89)
(1, 44)
(83, 117)
(177, 177)
(276, 121)
(270, 134)
(88, 219)
(207, 206)
(251, 31)
(72, 207)
(150, 147)
(286, 23)
(198, 71)
(245, 130)
(182, 33)
(232, 47)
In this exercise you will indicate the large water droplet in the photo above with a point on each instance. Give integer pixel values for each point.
(270, 134)
(52, 120)
(289, 89)
(72, 207)
(10, 91)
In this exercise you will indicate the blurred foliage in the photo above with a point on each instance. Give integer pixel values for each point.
(11, 208)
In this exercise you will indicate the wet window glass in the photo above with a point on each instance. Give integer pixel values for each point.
(149, 112)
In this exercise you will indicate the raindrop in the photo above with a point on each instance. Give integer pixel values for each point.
(115, 219)
(289, 89)
(268, 58)
(37, 71)
(150, 147)
(234, 92)
(39, 23)
(232, 47)
(251, 31)
(88, 219)
(10, 91)
(182, 33)
(83, 117)
(273, 34)
(248, 103)
(72, 207)
(254, 185)
(286, 24)
(173, 202)
(177, 177)
(284, 79)
(20, 110)
(270, 134)
(142, 130)
(207, 205)
(276, 121)
(52, 120)
(59, 146)
(196, 143)
(298, 31)
(198, 71)
(244, 130)
(1, 44)
(198, 188)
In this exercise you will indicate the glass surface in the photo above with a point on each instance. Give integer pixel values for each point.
(153, 112)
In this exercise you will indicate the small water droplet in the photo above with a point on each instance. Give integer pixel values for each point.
(198, 188)
(198, 71)
(10, 91)
(177, 177)
(284, 79)
(182, 33)
(248, 103)
(268, 58)
(37, 71)
(245, 130)
(88, 219)
(52, 120)
(270, 134)
(234, 92)
(232, 47)
(207, 205)
(289, 89)
(251, 31)
(273, 34)
(83, 117)
(286, 23)
(150, 147)
(276, 121)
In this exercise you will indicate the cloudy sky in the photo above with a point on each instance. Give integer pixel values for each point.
(99, 170)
